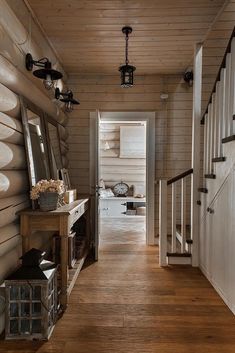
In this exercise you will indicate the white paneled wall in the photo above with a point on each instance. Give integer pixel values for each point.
(113, 168)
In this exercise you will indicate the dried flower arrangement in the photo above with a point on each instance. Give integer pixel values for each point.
(56, 186)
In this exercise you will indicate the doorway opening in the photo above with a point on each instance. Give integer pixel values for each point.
(107, 180)
(122, 193)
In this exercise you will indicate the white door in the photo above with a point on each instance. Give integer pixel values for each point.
(95, 177)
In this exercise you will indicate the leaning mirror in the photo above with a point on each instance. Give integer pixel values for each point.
(53, 146)
(35, 142)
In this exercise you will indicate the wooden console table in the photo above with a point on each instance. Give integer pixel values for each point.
(60, 220)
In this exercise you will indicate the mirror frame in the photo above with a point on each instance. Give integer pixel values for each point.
(26, 104)
(50, 120)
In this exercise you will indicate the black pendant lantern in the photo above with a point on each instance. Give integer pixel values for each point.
(127, 77)
(67, 98)
(47, 74)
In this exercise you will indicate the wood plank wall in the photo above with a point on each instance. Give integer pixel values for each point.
(113, 168)
(173, 121)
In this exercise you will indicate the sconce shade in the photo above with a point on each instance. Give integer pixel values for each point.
(43, 73)
(127, 76)
(67, 98)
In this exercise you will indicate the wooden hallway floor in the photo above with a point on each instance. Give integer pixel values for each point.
(126, 303)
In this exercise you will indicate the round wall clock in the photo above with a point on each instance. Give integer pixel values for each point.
(121, 189)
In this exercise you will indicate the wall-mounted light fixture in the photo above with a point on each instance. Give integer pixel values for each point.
(46, 73)
(127, 77)
(188, 77)
(67, 98)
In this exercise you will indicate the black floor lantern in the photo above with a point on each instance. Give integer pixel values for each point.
(127, 76)
(31, 298)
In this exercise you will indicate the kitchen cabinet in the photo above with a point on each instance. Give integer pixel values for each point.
(117, 207)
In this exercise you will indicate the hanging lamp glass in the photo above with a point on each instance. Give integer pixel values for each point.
(127, 76)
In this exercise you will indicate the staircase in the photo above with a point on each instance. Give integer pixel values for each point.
(175, 246)
(176, 241)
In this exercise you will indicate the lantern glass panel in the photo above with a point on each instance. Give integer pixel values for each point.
(36, 293)
(24, 293)
(14, 292)
(25, 309)
(14, 310)
(14, 326)
(36, 309)
(36, 326)
(25, 326)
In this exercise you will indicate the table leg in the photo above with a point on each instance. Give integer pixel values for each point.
(25, 232)
(64, 233)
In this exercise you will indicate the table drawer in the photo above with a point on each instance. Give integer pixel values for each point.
(79, 211)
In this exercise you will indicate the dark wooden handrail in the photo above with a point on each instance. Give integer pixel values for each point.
(180, 176)
(223, 65)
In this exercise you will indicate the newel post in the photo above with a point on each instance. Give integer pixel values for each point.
(196, 126)
(162, 222)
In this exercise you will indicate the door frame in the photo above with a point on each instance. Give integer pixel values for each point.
(149, 117)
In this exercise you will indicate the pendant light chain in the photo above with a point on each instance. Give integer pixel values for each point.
(127, 38)
(127, 70)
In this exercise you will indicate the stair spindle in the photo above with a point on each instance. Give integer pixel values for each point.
(232, 86)
(163, 223)
(183, 214)
(209, 139)
(173, 221)
(227, 95)
(216, 121)
(222, 109)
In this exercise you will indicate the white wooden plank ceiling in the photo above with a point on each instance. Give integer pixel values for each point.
(87, 34)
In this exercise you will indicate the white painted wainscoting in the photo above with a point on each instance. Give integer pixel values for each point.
(217, 224)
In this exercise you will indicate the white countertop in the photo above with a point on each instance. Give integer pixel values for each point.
(127, 198)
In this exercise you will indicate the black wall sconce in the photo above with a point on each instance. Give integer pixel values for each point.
(188, 77)
(46, 73)
(127, 76)
(67, 98)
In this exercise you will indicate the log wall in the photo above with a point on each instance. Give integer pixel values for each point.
(15, 80)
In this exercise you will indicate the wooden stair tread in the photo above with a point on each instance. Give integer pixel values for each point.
(177, 254)
(204, 190)
(228, 139)
(210, 176)
(218, 159)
